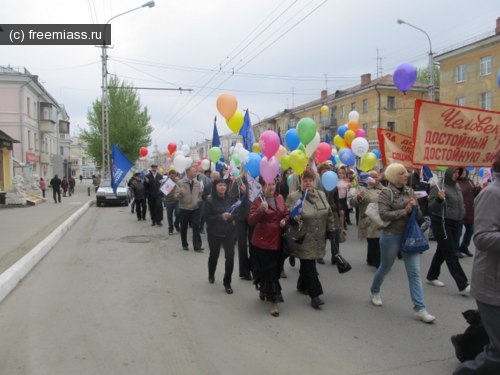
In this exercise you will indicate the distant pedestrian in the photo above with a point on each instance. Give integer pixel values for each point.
(56, 188)
(43, 186)
(81, 178)
(139, 192)
(72, 184)
(152, 183)
(96, 181)
(64, 185)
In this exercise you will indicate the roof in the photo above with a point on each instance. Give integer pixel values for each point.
(8, 138)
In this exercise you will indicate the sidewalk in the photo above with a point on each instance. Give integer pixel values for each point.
(22, 228)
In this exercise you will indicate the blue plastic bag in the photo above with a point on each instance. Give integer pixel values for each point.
(414, 240)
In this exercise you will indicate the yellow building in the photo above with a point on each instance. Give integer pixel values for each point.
(469, 73)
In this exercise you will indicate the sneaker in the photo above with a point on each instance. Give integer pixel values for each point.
(424, 316)
(465, 292)
(376, 300)
(435, 282)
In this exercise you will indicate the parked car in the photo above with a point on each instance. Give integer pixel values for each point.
(105, 195)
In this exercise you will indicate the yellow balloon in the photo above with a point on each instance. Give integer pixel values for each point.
(298, 161)
(236, 121)
(324, 110)
(256, 147)
(339, 142)
(368, 161)
(285, 162)
(349, 136)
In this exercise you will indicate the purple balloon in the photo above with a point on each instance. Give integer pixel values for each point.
(498, 77)
(405, 76)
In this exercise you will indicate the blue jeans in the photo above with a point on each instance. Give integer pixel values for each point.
(390, 245)
(469, 231)
(172, 209)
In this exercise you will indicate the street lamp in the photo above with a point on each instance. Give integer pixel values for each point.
(431, 60)
(106, 162)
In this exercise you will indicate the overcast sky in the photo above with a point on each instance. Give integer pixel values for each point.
(271, 54)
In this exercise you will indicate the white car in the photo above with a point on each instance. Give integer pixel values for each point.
(105, 195)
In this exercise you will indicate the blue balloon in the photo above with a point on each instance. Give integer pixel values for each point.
(329, 180)
(481, 172)
(292, 139)
(347, 157)
(377, 153)
(470, 169)
(336, 159)
(253, 164)
(342, 129)
(498, 77)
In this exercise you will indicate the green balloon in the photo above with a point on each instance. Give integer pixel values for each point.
(214, 154)
(306, 130)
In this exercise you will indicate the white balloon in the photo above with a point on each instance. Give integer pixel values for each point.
(205, 164)
(313, 145)
(243, 156)
(334, 151)
(359, 146)
(180, 163)
(237, 147)
(231, 150)
(188, 162)
(353, 115)
(185, 149)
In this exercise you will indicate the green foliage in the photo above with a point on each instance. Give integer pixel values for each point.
(424, 76)
(128, 122)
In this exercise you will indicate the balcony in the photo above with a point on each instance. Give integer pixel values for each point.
(63, 127)
(47, 126)
(48, 118)
(44, 158)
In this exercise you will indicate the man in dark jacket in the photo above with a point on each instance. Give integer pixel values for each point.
(154, 195)
(469, 192)
(139, 192)
(56, 188)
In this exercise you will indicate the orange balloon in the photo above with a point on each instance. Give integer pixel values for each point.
(227, 105)
(353, 125)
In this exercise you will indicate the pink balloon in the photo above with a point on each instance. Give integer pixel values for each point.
(269, 168)
(360, 133)
(269, 143)
(323, 152)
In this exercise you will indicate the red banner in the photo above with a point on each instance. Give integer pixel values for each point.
(449, 135)
(395, 147)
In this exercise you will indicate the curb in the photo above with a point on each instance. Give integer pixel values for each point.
(18, 271)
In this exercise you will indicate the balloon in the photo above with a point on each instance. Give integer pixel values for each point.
(188, 162)
(227, 105)
(253, 164)
(324, 110)
(347, 157)
(243, 155)
(236, 172)
(235, 158)
(498, 78)
(256, 148)
(360, 133)
(280, 153)
(180, 163)
(376, 153)
(185, 149)
(292, 139)
(306, 130)
(269, 143)
(349, 137)
(353, 125)
(368, 162)
(341, 130)
(337, 159)
(285, 162)
(172, 147)
(298, 161)
(360, 146)
(143, 151)
(205, 164)
(353, 115)
(480, 173)
(334, 151)
(323, 152)
(339, 141)
(442, 169)
(311, 146)
(329, 180)
(214, 154)
(404, 77)
(470, 169)
(269, 169)
(236, 121)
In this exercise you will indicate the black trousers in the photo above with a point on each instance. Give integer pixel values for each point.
(445, 235)
(56, 193)
(214, 244)
(308, 281)
(268, 273)
(140, 208)
(245, 258)
(156, 209)
(373, 252)
(193, 217)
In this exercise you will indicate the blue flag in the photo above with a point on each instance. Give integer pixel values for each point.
(121, 165)
(327, 139)
(364, 178)
(425, 174)
(246, 132)
(236, 204)
(297, 208)
(215, 136)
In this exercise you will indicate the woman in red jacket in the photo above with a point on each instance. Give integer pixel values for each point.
(268, 215)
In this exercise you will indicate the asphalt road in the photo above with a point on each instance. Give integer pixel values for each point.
(117, 296)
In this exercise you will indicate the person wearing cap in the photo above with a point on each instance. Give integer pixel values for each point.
(56, 188)
(152, 183)
(139, 192)
(485, 280)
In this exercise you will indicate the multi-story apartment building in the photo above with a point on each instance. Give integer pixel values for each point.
(469, 73)
(30, 115)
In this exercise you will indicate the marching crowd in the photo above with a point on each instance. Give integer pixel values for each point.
(253, 216)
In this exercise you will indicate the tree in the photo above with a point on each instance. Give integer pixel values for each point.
(424, 76)
(128, 122)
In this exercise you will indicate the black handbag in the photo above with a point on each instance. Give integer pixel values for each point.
(288, 245)
(343, 265)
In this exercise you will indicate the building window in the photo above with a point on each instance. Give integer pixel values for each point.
(460, 73)
(29, 139)
(334, 112)
(35, 111)
(485, 66)
(35, 137)
(391, 125)
(391, 102)
(485, 100)
(365, 127)
(353, 106)
(342, 111)
(28, 106)
(365, 105)
(460, 101)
